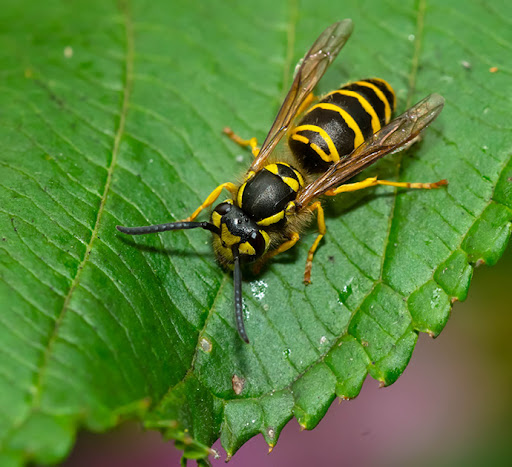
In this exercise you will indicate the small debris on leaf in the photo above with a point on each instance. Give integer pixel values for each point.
(238, 384)
(206, 345)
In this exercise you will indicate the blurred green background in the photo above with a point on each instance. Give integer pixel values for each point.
(452, 406)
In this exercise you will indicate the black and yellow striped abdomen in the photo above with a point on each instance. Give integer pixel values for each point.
(340, 122)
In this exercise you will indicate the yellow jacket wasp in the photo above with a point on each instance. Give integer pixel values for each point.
(335, 139)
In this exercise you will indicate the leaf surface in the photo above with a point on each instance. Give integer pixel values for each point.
(112, 114)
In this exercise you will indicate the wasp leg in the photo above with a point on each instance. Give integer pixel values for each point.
(283, 247)
(321, 232)
(253, 142)
(372, 181)
(231, 187)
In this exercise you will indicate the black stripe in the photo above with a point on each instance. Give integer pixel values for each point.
(355, 109)
(285, 171)
(307, 157)
(335, 126)
(389, 95)
(372, 98)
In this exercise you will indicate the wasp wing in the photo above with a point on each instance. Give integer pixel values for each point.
(391, 138)
(313, 66)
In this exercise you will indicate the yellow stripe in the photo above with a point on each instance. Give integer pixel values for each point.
(266, 238)
(320, 152)
(272, 168)
(299, 176)
(352, 124)
(380, 95)
(246, 249)
(271, 219)
(364, 103)
(292, 183)
(333, 155)
(300, 138)
(389, 88)
(249, 175)
(227, 237)
(216, 218)
(240, 195)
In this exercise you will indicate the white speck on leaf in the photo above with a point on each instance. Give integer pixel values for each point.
(206, 345)
(447, 79)
(68, 51)
(435, 297)
(258, 289)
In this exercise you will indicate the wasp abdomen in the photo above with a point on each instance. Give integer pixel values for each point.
(340, 122)
(264, 197)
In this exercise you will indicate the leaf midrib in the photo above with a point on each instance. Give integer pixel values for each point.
(126, 93)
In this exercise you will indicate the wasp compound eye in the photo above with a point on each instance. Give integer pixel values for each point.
(259, 242)
(223, 208)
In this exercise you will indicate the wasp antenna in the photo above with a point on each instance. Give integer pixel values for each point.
(149, 229)
(237, 282)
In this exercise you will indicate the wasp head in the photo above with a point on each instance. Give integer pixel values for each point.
(237, 229)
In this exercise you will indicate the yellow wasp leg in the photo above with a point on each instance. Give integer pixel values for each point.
(372, 181)
(321, 233)
(283, 247)
(253, 142)
(231, 187)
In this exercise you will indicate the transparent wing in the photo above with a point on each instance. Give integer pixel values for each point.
(391, 138)
(313, 66)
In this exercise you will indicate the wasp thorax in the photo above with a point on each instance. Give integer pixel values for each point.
(237, 228)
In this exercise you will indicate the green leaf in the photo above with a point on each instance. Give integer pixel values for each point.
(112, 113)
